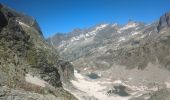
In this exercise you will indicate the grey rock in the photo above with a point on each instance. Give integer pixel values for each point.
(66, 71)
(164, 21)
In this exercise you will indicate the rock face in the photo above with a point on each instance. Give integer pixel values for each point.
(164, 21)
(66, 70)
(23, 51)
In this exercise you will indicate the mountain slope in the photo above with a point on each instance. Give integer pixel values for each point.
(30, 68)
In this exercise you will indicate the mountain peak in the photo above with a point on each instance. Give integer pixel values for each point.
(167, 13)
(164, 21)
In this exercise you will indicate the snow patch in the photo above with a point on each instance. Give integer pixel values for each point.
(135, 33)
(129, 25)
(89, 34)
(121, 39)
(117, 82)
(23, 24)
(143, 36)
(130, 78)
(99, 75)
(115, 24)
(101, 27)
(85, 69)
(35, 80)
(167, 84)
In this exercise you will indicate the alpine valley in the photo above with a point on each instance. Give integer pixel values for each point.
(119, 62)
(103, 62)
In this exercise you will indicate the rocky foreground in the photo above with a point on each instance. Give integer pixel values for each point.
(30, 69)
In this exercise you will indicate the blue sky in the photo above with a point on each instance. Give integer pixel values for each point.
(65, 15)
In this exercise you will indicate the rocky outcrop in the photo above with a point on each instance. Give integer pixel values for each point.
(23, 51)
(66, 71)
(164, 21)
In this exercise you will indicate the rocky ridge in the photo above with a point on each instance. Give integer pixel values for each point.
(30, 68)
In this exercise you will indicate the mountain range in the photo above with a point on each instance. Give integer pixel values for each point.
(134, 55)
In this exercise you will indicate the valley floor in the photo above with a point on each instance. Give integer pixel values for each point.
(104, 88)
(94, 88)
